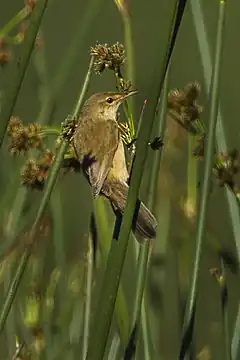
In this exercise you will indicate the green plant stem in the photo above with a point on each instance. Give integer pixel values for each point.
(214, 103)
(129, 47)
(204, 51)
(224, 305)
(105, 233)
(50, 131)
(126, 108)
(88, 298)
(16, 20)
(46, 196)
(19, 68)
(114, 348)
(58, 229)
(130, 63)
(152, 191)
(109, 287)
(192, 178)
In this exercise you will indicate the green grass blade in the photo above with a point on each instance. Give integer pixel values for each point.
(16, 20)
(201, 31)
(204, 48)
(214, 104)
(224, 305)
(88, 298)
(144, 250)
(58, 228)
(20, 68)
(46, 196)
(105, 234)
(102, 319)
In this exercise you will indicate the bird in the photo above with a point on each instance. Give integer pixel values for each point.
(100, 152)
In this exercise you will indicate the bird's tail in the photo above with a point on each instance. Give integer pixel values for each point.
(144, 223)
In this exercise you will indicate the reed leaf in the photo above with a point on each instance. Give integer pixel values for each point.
(16, 20)
(88, 298)
(102, 319)
(204, 47)
(213, 111)
(104, 233)
(142, 266)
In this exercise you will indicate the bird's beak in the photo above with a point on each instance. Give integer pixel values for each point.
(125, 96)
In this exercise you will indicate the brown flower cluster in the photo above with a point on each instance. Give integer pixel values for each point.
(184, 102)
(23, 137)
(226, 168)
(36, 172)
(125, 85)
(108, 56)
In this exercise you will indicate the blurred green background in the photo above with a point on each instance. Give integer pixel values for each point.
(56, 72)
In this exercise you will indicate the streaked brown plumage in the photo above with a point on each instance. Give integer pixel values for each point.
(100, 150)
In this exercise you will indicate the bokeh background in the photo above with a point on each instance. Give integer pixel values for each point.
(55, 74)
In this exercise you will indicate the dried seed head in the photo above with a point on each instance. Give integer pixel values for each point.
(125, 85)
(184, 102)
(36, 172)
(226, 167)
(106, 56)
(68, 127)
(23, 137)
(192, 92)
(4, 57)
(31, 175)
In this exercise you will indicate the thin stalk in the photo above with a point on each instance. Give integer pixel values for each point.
(130, 62)
(152, 190)
(104, 233)
(144, 325)
(50, 131)
(204, 50)
(46, 196)
(214, 104)
(19, 68)
(145, 331)
(126, 108)
(16, 20)
(192, 179)
(204, 47)
(114, 348)
(58, 228)
(123, 8)
(129, 48)
(88, 299)
(109, 287)
(224, 306)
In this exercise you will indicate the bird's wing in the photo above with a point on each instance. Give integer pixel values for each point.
(97, 140)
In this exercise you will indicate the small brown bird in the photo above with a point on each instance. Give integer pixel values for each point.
(100, 150)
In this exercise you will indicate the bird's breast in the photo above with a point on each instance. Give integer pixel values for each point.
(119, 168)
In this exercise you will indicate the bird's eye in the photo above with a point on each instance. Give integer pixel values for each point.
(109, 100)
